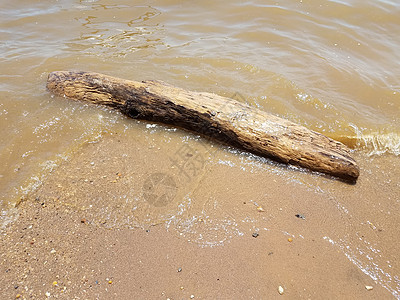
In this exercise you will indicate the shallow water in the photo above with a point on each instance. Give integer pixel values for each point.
(332, 67)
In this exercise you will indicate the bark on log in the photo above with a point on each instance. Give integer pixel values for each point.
(217, 117)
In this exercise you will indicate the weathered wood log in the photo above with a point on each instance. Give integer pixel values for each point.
(217, 117)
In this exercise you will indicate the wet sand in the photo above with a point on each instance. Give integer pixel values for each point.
(78, 237)
(145, 265)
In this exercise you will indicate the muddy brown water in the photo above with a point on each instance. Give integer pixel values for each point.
(331, 66)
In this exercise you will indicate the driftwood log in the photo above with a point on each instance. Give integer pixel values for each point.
(220, 118)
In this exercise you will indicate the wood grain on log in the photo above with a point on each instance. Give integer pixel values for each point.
(220, 118)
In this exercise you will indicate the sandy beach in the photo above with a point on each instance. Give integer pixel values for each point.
(61, 247)
(95, 205)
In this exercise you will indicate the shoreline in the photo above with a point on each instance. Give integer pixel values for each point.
(72, 239)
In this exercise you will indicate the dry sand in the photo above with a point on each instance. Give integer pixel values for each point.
(68, 244)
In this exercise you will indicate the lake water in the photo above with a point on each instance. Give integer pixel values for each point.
(332, 66)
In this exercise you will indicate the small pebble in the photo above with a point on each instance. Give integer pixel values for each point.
(260, 209)
(18, 296)
(182, 288)
(281, 290)
(290, 240)
(179, 269)
(53, 251)
(255, 234)
(55, 283)
(110, 282)
(369, 287)
(191, 296)
(47, 294)
(300, 216)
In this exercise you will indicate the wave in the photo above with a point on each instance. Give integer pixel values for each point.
(373, 143)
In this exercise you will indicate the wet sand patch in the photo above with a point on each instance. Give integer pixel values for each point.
(79, 235)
